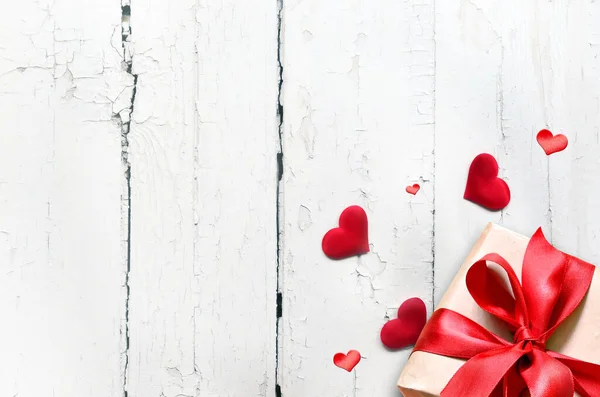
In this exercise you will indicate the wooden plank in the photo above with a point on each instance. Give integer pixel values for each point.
(570, 43)
(161, 153)
(62, 297)
(237, 177)
(490, 97)
(467, 65)
(203, 144)
(358, 128)
(522, 114)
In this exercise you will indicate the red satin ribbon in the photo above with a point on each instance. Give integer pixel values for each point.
(554, 284)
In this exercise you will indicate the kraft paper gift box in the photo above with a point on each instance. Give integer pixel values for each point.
(426, 374)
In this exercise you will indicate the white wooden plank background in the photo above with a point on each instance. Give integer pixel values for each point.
(168, 169)
(61, 237)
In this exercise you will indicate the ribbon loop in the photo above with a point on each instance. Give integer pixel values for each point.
(554, 284)
(488, 289)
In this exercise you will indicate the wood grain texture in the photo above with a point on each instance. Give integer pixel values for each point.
(203, 153)
(61, 241)
(358, 128)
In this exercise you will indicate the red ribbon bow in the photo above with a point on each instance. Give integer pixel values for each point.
(554, 284)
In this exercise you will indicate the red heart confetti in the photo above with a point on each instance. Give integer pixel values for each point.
(351, 238)
(405, 330)
(483, 185)
(413, 189)
(347, 361)
(552, 143)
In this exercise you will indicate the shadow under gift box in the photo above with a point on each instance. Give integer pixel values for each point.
(426, 374)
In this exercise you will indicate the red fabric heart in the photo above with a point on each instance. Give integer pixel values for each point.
(483, 185)
(405, 330)
(347, 361)
(351, 238)
(552, 143)
(413, 189)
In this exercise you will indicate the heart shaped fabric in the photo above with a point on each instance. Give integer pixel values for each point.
(413, 189)
(483, 185)
(347, 361)
(350, 238)
(405, 330)
(552, 143)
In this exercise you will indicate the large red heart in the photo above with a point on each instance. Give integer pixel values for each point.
(552, 143)
(405, 330)
(483, 185)
(351, 238)
(347, 361)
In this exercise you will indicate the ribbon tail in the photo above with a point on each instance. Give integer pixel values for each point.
(545, 376)
(513, 384)
(483, 372)
(586, 375)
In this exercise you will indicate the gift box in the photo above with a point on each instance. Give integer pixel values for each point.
(540, 330)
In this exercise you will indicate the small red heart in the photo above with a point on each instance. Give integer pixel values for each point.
(351, 238)
(405, 330)
(347, 361)
(413, 189)
(552, 143)
(483, 185)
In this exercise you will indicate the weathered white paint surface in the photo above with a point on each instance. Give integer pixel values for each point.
(146, 226)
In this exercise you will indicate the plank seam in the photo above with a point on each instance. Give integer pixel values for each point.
(278, 201)
(433, 177)
(126, 32)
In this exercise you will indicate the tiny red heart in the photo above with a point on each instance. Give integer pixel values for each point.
(351, 238)
(413, 189)
(347, 361)
(552, 143)
(483, 185)
(405, 330)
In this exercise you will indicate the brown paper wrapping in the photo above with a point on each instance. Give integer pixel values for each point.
(426, 374)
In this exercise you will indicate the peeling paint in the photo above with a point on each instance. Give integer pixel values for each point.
(304, 218)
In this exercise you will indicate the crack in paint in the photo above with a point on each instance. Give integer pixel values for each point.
(500, 109)
(549, 213)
